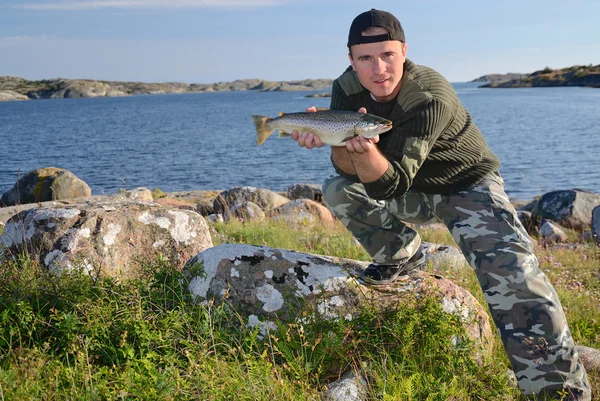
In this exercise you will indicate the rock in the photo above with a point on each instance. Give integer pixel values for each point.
(45, 184)
(205, 208)
(266, 283)
(596, 224)
(552, 232)
(264, 198)
(590, 358)
(8, 95)
(570, 208)
(526, 218)
(352, 386)
(175, 204)
(302, 211)
(531, 206)
(109, 239)
(305, 191)
(246, 211)
(216, 218)
(443, 257)
(138, 194)
(86, 88)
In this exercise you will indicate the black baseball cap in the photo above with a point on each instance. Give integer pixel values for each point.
(371, 18)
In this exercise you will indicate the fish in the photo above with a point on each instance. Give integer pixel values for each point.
(333, 127)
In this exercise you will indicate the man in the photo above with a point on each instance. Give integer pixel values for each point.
(435, 164)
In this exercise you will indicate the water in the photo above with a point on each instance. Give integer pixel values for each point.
(546, 138)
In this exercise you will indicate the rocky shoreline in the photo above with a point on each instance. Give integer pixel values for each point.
(579, 75)
(15, 88)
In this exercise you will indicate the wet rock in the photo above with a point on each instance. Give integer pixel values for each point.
(105, 238)
(45, 184)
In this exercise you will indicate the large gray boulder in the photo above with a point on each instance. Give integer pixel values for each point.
(569, 208)
(264, 198)
(266, 284)
(108, 239)
(46, 184)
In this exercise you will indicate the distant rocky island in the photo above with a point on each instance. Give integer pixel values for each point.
(15, 88)
(579, 75)
(499, 77)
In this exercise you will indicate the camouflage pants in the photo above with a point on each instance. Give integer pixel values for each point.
(482, 221)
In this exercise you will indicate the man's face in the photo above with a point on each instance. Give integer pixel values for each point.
(379, 67)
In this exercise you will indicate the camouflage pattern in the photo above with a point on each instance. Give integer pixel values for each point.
(523, 303)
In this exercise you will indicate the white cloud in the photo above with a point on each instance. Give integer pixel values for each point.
(8, 41)
(96, 4)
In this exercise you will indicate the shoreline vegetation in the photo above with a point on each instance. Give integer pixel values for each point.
(15, 88)
(75, 337)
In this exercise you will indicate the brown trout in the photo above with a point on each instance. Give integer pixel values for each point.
(333, 127)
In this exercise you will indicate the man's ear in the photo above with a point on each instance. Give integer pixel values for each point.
(404, 50)
(351, 60)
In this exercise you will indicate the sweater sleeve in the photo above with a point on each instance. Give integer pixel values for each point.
(340, 101)
(407, 148)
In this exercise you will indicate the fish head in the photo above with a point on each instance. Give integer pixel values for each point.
(370, 125)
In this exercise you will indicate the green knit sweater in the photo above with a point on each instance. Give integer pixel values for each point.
(433, 147)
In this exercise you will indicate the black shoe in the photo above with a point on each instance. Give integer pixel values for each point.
(386, 273)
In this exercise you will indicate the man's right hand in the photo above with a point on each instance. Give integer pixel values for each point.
(305, 139)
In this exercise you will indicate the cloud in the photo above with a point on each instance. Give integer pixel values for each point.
(9, 41)
(71, 5)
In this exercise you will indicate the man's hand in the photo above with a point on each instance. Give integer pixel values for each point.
(305, 139)
(360, 144)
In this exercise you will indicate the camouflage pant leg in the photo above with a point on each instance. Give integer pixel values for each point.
(383, 235)
(524, 305)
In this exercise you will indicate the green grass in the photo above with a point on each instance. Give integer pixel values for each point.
(75, 338)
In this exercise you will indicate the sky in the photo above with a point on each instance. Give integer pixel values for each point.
(207, 41)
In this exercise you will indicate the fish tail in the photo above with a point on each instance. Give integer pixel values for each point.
(262, 132)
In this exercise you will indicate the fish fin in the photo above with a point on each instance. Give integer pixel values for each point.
(322, 108)
(280, 114)
(262, 132)
(283, 134)
(346, 139)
